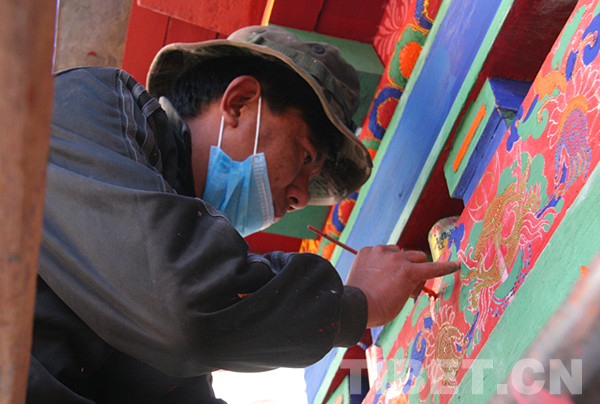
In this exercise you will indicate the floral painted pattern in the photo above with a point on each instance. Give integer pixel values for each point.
(536, 174)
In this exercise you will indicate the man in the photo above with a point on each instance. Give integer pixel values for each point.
(145, 286)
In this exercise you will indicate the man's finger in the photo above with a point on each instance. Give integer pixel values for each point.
(415, 256)
(428, 270)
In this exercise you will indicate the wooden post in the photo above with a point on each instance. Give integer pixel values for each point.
(26, 37)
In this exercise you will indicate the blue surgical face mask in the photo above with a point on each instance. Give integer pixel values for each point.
(240, 189)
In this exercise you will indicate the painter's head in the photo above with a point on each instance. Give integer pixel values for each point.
(312, 77)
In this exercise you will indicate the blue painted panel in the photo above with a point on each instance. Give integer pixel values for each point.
(508, 96)
(452, 53)
(497, 128)
(315, 374)
(509, 93)
(490, 138)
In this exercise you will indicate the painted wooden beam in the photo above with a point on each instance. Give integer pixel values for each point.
(480, 132)
(357, 20)
(341, 395)
(513, 57)
(324, 371)
(506, 51)
(320, 375)
(454, 61)
(302, 15)
(447, 69)
(146, 34)
(498, 316)
(223, 16)
(26, 37)
(149, 31)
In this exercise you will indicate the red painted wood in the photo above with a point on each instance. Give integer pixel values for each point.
(223, 16)
(145, 36)
(261, 243)
(297, 14)
(148, 32)
(181, 31)
(351, 19)
(526, 37)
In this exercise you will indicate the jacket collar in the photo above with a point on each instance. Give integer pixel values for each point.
(184, 183)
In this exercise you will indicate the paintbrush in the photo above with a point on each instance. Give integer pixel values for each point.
(430, 292)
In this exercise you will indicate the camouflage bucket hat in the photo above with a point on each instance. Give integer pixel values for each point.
(321, 65)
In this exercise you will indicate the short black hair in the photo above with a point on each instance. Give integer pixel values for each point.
(282, 88)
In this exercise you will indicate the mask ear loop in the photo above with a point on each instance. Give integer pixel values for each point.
(221, 131)
(257, 124)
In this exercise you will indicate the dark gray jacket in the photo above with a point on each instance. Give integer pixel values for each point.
(143, 289)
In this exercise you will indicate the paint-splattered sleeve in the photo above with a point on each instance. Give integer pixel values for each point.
(167, 280)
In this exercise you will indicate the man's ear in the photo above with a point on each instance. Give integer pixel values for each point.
(243, 91)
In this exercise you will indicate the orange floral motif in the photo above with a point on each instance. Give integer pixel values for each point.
(408, 57)
(446, 348)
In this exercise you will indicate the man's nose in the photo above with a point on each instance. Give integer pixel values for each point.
(297, 192)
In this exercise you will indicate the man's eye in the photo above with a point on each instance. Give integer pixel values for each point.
(308, 158)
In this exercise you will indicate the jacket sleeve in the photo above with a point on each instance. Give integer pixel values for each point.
(164, 277)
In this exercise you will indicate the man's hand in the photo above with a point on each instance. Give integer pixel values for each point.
(388, 276)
